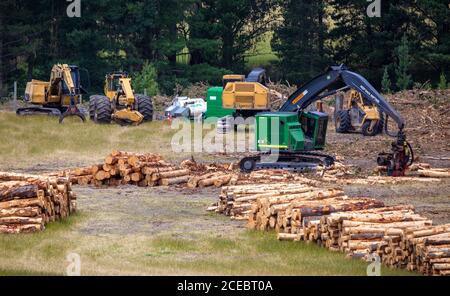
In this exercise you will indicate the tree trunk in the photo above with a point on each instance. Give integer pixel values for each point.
(1, 56)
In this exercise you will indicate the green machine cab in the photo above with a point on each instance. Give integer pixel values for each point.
(214, 101)
(291, 131)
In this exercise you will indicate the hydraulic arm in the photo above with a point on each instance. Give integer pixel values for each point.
(311, 132)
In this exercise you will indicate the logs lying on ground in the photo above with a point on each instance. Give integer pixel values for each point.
(425, 170)
(217, 179)
(29, 202)
(359, 227)
(435, 173)
(120, 168)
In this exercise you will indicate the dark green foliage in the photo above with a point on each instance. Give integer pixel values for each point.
(443, 82)
(300, 40)
(403, 64)
(217, 34)
(368, 44)
(146, 79)
(386, 82)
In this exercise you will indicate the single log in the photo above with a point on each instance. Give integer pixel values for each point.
(21, 220)
(82, 171)
(136, 177)
(173, 181)
(288, 237)
(102, 175)
(170, 174)
(222, 180)
(22, 228)
(22, 212)
(441, 266)
(407, 224)
(193, 181)
(96, 168)
(111, 160)
(148, 170)
(22, 203)
(435, 173)
(17, 190)
(208, 182)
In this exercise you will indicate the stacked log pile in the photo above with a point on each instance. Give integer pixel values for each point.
(429, 249)
(120, 168)
(29, 202)
(359, 227)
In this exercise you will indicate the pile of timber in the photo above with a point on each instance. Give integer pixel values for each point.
(29, 202)
(359, 227)
(148, 170)
(121, 168)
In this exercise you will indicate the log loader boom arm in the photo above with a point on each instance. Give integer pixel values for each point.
(62, 72)
(339, 78)
(333, 79)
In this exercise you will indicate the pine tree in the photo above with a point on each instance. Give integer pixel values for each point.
(300, 40)
(403, 63)
(443, 81)
(386, 82)
(146, 80)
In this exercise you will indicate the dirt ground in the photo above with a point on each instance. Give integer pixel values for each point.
(150, 211)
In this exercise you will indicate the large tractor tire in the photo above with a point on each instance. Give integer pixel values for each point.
(101, 109)
(377, 129)
(343, 121)
(144, 105)
(92, 101)
(367, 131)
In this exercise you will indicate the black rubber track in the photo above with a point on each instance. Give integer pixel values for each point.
(144, 105)
(343, 121)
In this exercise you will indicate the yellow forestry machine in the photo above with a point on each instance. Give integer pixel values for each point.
(356, 113)
(58, 97)
(120, 104)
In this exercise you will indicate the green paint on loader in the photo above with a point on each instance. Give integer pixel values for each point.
(214, 102)
(291, 131)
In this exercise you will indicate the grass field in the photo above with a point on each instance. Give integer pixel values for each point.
(239, 253)
(262, 54)
(131, 230)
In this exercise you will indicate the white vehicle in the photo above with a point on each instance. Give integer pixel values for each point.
(186, 107)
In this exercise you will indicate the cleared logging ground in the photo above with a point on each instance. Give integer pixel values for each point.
(133, 230)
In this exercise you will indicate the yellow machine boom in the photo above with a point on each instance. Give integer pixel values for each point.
(58, 96)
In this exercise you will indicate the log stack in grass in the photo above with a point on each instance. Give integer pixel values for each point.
(359, 227)
(29, 202)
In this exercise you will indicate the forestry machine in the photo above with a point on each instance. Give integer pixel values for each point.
(358, 113)
(246, 96)
(59, 96)
(119, 103)
(289, 138)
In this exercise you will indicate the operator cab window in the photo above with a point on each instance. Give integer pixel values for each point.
(114, 84)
